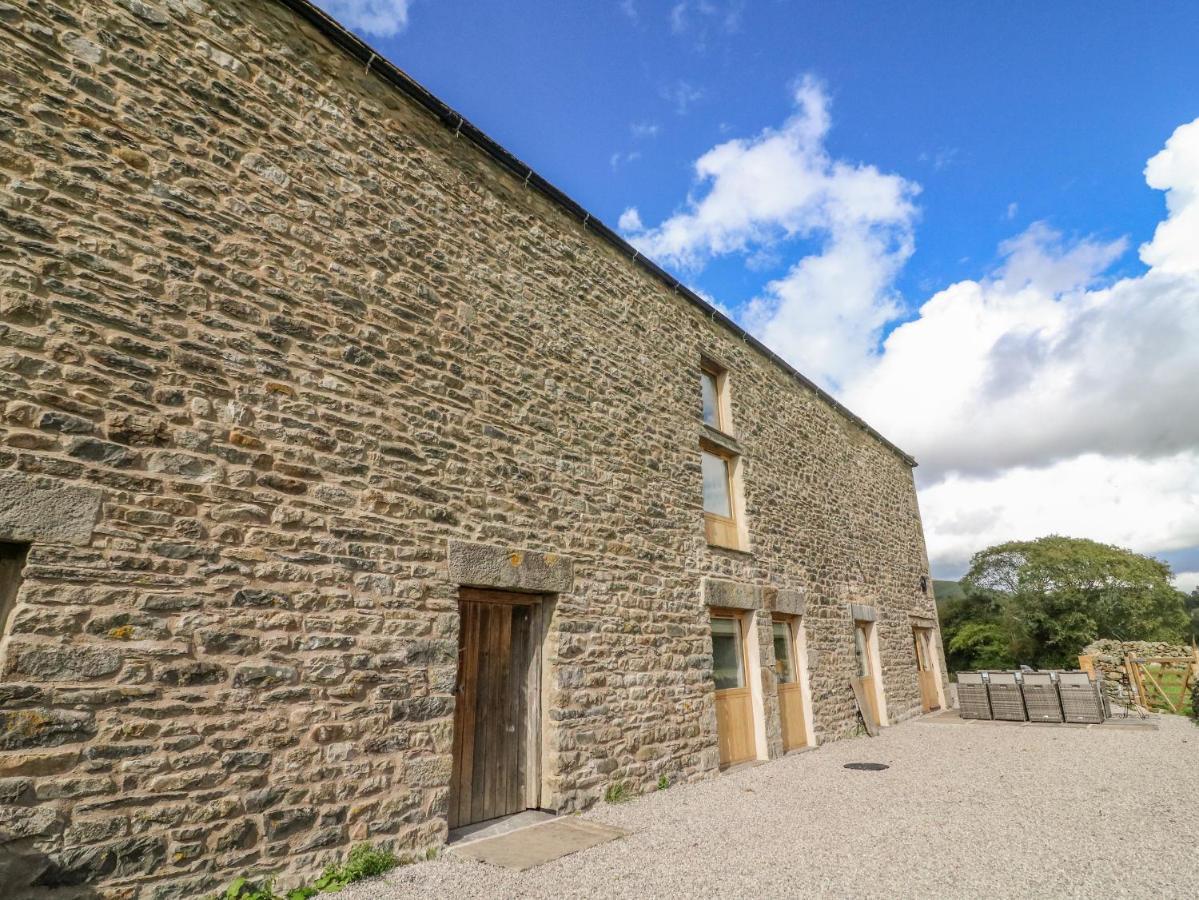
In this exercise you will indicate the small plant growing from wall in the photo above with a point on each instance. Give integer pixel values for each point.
(663, 782)
(244, 889)
(364, 861)
(617, 792)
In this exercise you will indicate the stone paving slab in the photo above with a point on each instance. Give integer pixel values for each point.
(535, 845)
(499, 826)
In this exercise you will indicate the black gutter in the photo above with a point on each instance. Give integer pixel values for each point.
(457, 123)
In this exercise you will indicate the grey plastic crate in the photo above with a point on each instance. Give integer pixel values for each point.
(1080, 698)
(972, 696)
(1007, 703)
(1041, 697)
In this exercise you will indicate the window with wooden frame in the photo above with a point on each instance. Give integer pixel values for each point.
(714, 389)
(720, 460)
(721, 526)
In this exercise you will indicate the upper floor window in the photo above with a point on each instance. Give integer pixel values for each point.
(713, 382)
(718, 491)
(720, 459)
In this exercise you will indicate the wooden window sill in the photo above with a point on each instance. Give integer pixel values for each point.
(723, 534)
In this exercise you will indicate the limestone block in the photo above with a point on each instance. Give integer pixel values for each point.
(43, 509)
(735, 594)
(860, 612)
(790, 602)
(41, 727)
(504, 568)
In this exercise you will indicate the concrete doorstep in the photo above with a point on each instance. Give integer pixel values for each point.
(533, 845)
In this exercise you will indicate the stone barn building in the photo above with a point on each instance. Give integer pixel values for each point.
(357, 485)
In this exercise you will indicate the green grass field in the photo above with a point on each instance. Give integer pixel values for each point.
(1170, 679)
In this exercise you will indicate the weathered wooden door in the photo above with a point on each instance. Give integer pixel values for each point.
(786, 674)
(734, 709)
(497, 710)
(866, 673)
(922, 637)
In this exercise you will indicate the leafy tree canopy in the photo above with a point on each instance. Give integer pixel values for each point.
(1040, 602)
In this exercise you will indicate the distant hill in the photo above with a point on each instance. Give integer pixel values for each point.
(948, 590)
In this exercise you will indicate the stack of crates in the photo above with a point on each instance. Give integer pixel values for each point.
(1007, 703)
(1041, 698)
(1081, 701)
(972, 696)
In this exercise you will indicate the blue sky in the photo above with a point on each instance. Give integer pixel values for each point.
(984, 105)
(998, 147)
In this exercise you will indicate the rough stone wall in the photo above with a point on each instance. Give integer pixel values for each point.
(296, 336)
(1108, 655)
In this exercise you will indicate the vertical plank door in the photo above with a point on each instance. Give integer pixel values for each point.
(497, 663)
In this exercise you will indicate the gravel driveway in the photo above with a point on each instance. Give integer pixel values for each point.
(966, 810)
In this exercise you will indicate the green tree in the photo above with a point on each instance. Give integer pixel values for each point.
(972, 630)
(1192, 606)
(1053, 596)
(985, 645)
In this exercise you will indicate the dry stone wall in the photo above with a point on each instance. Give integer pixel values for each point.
(1108, 658)
(285, 337)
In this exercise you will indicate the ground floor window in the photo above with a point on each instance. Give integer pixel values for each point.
(727, 656)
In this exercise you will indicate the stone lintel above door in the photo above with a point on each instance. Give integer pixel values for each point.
(509, 568)
(44, 509)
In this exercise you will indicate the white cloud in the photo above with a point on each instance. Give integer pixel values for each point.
(630, 220)
(678, 18)
(1035, 364)
(644, 130)
(1150, 506)
(1046, 396)
(1038, 400)
(1186, 581)
(1175, 170)
(696, 16)
(682, 95)
(827, 311)
(629, 8)
(940, 159)
(382, 18)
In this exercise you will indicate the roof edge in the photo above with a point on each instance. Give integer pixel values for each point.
(450, 118)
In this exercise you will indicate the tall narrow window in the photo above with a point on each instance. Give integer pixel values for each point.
(12, 560)
(718, 496)
(861, 649)
(721, 527)
(727, 661)
(711, 396)
(713, 385)
(784, 659)
(720, 458)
